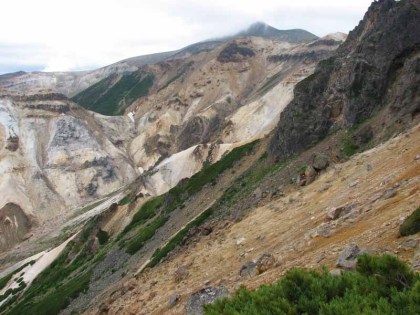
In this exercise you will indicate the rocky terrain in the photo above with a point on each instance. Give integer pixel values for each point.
(235, 160)
(54, 158)
(376, 69)
(58, 157)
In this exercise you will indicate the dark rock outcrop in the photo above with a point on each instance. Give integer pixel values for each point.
(376, 68)
(235, 53)
(205, 296)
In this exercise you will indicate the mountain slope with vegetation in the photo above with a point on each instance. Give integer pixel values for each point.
(287, 200)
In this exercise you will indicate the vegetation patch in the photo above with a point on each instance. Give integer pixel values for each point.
(53, 289)
(5, 280)
(381, 285)
(108, 97)
(102, 236)
(147, 211)
(55, 300)
(411, 224)
(127, 199)
(145, 233)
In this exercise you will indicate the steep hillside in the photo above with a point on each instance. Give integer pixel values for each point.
(59, 159)
(222, 174)
(231, 94)
(380, 188)
(375, 70)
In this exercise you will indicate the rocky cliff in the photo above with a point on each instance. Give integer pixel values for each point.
(376, 69)
(55, 156)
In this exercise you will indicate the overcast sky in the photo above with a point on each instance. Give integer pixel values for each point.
(53, 35)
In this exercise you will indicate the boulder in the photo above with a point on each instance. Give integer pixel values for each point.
(320, 161)
(202, 297)
(336, 212)
(348, 257)
(265, 262)
(248, 269)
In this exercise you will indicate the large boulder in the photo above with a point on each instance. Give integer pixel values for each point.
(348, 257)
(265, 262)
(248, 269)
(202, 297)
(320, 161)
(337, 212)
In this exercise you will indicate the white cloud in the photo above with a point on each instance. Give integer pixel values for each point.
(69, 35)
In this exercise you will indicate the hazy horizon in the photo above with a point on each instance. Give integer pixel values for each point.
(70, 36)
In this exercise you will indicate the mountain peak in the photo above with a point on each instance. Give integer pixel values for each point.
(262, 29)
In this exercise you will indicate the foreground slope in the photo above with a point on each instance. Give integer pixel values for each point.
(294, 228)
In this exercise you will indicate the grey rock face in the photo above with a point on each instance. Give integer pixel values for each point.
(375, 68)
(337, 212)
(249, 269)
(348, 257)
(205, 296)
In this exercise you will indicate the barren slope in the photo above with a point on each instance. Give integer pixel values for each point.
(289, 227)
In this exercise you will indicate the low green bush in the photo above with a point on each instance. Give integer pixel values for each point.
(102, 236)
(381, 285)
(411, 224)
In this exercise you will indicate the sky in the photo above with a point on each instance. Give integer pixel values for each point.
(68, 35)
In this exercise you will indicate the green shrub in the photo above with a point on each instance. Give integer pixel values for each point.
(349, 146)
(411, 224)
(102, 236)
(375, 288)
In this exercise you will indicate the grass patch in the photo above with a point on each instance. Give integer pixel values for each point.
(54, 300)
(160, 253)
(147, 210)
(53, 288)
(109, 98)
(349, 146)
(127, 199)
(411, 224)
(177, 195)
(145, 233)
(381, 285)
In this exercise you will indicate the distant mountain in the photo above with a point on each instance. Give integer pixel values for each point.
(264, 30)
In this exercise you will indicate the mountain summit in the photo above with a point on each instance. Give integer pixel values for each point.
(264, 30)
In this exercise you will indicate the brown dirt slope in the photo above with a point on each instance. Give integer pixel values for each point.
(290, 227)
